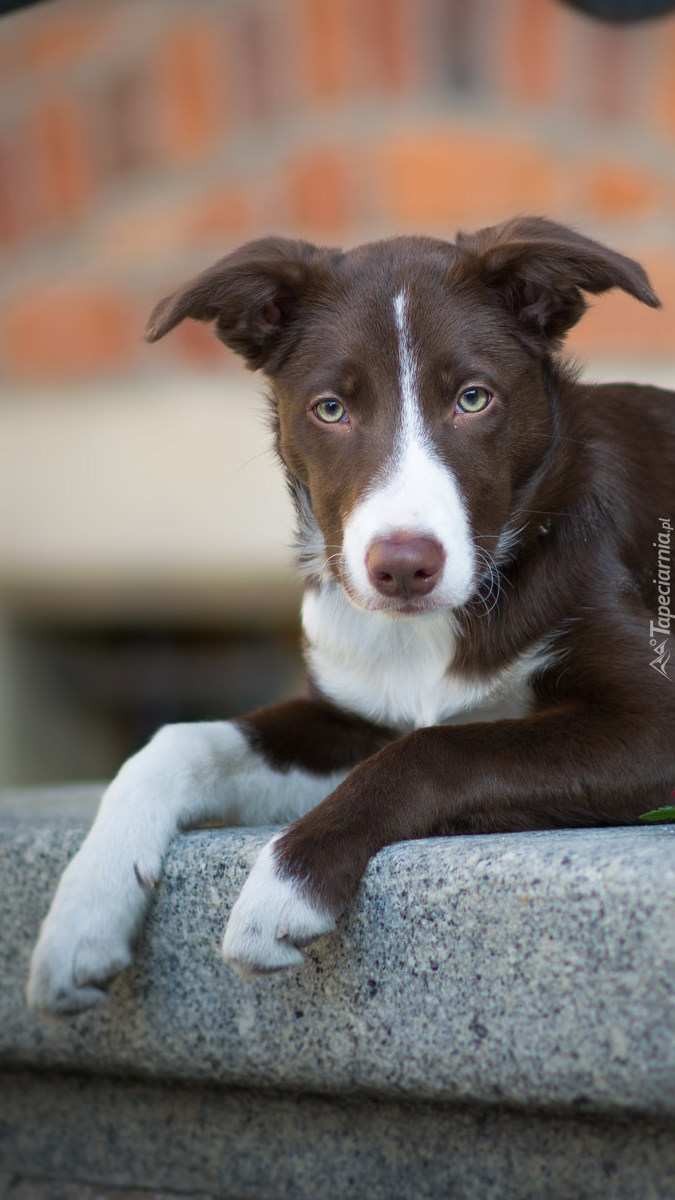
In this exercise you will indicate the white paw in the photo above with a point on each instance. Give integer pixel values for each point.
(86, 938)
(271, 919)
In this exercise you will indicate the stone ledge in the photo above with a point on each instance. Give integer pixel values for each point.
(532, 971)
(203, 1143)
(493, 1020)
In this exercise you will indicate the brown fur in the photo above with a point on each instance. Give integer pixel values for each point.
(584, 472)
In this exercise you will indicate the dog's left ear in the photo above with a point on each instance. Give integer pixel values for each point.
(542, 269)
(252, 295)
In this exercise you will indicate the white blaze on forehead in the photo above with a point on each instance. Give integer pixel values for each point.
(411, 421)
(413, 492)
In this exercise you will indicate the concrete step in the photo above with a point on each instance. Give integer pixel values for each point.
(492, 1019)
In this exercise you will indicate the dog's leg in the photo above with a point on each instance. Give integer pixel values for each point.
(254, 772)
(552, 769)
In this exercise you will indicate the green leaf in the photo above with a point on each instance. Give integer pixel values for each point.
(659, 814)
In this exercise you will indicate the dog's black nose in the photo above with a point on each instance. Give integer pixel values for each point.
(404, 565)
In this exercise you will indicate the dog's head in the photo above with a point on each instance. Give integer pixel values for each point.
(409, 379)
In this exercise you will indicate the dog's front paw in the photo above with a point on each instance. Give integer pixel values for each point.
(271, 919)
(72, 969)
(86, 938)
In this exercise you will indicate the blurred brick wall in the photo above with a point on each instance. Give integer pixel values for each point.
(140, 139)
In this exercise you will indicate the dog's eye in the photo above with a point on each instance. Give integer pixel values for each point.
(330, 411)
(474, 400)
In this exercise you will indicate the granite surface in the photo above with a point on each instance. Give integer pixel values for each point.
(531, 971)
(85, 1138)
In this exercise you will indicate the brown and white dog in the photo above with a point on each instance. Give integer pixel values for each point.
(486, 547)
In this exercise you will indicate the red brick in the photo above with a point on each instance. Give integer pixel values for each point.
(9, 67)
(531, 50)
(190, 102)
(9, 227)
(61, 331)
(389, 50)
(616, 190)
(431, 179)
(151, 231)
(17, 199)
(63, 172)
(326, 33)
(57, 37)
(321, 191)
(157, 229)
(609, 81)
(618, 326)
(25, 193)
(664, 86)
(255, 62)
(119, 120)
(225, 212)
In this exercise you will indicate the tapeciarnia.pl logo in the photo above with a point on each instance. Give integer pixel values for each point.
(662, 623)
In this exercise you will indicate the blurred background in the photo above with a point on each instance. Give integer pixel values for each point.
(145, 574)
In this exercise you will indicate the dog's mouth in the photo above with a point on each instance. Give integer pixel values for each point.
(399, 606)
(412, 609)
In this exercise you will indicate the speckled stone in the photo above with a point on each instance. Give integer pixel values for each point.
(234, 1144)
(506, 991)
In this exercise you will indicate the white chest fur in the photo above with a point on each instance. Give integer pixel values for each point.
(395, 670)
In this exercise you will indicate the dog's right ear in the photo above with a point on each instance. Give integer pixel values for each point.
(252, 295)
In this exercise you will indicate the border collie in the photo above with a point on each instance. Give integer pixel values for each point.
(485, 543)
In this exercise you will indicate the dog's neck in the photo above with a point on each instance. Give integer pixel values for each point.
(399, 671)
